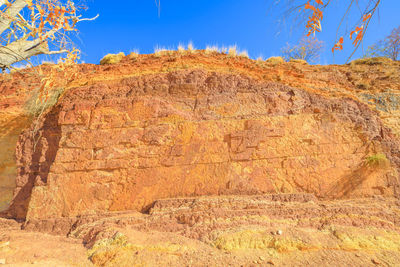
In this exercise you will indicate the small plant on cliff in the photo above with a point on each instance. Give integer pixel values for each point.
(378, 160)
(112, 58)
(115, 251)
(190, 47)
(35, 106)
(211, 50)
(55, 80)
(275, 60)
(234, 52)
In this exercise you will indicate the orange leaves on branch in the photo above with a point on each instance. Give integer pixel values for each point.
(338, 45)
(314, 11)
(366, 17)
(314, 21)
(50, 16)
(51, 19)
(359, 30)
(72, 57)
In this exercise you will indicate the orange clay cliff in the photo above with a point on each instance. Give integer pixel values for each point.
(197, 158)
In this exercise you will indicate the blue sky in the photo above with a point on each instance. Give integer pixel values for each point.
(251, 25)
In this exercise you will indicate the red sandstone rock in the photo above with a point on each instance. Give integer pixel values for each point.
(128, 137)
(191, 133)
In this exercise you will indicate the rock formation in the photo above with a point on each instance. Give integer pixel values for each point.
(122, 145)
(176, 136)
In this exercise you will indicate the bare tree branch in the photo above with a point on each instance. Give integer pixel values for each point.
(308, 49)
(388, 47)
(9, 15)
(33, 27)
(21, 50)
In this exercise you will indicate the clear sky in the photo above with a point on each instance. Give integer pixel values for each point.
(251, 25)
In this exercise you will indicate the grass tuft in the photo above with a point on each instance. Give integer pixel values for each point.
(244, 53)
(377, 160)
(224, 50)
(190, 47)
(232, 51)
(159, 51)
(275, 60)
(181, 48)
(211, 50)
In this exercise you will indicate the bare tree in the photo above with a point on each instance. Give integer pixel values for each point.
(388, 47)
(308, 49)
(33, 27)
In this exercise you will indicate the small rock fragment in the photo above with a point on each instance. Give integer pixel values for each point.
(270, 262)
(2, 261)
(279, 232)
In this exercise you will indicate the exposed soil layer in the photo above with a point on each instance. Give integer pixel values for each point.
(280, 230)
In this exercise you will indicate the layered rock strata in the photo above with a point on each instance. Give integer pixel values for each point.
(122, 145)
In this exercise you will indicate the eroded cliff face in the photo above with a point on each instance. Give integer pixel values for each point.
(236, 162)
(13, 120)
(122, 144)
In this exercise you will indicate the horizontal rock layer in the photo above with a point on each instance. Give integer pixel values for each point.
(279, 229)
(121, 145)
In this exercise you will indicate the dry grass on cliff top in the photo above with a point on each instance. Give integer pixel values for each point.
(333, 80)
(359, 77)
